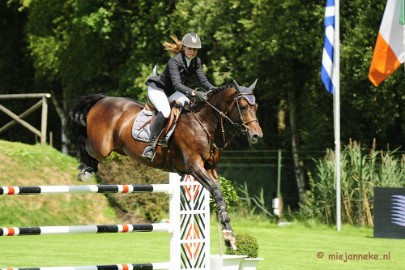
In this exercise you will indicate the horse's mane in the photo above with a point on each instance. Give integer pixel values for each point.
(219, 89)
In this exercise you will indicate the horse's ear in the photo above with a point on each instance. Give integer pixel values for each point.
(236, 85)
(252, 87)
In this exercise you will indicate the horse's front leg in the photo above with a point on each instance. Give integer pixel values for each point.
(213, 187)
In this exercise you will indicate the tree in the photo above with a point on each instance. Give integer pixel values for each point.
(76, 47)
(99, 46)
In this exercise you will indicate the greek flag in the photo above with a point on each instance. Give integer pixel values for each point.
(328, 46)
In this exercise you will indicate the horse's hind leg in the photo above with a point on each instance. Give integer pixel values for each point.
(88, 164)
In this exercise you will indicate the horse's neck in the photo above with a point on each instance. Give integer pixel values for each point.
(223, 100)
(222, 103)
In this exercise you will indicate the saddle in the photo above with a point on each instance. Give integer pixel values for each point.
(144, 120)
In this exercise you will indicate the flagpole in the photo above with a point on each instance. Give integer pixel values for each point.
(336, 106)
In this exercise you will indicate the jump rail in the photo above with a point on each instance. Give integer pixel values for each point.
(189, 222)
(119, 228)
(35, 190)
(146, 266)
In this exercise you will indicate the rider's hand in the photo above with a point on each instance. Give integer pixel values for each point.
(201, 95)
(214, 88)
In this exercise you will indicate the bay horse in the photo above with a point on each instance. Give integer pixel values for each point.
(101, 124)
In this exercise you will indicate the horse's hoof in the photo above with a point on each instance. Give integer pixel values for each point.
(230, 240)
(84, 176)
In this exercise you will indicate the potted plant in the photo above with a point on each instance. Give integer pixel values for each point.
(226, 262)
(248, 246)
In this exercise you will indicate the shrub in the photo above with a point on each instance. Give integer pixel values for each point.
(229, 193)
(136, 207)
(360, 173)
(246, 245)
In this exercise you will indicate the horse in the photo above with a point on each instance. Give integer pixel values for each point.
(100, 124)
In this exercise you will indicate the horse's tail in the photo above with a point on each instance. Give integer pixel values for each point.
(76, 131)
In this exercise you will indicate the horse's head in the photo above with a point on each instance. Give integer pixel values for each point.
(244, 110)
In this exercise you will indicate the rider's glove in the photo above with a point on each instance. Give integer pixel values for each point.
(201, 95)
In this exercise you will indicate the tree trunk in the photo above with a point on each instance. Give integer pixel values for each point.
(298, 170)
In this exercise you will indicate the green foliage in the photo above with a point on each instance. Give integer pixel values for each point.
(249, 205)
(247, 245)
(229, 193)
(133, 208)
(360, 173)
(76, 47)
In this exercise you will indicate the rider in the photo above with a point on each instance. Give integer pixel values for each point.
(169, 86)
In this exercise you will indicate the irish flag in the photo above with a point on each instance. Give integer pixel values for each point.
(389, 51)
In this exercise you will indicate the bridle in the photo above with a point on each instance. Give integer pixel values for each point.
(243, 126)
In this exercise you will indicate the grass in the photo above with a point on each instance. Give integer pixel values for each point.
(294, 247)
(298, 246)
(27, 165)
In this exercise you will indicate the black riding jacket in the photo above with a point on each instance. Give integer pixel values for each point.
(176, 73)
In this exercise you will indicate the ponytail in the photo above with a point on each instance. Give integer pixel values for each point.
(173, 48)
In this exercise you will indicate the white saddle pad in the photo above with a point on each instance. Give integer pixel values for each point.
(141, 127)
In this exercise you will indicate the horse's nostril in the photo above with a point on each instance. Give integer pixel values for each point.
(254, 139)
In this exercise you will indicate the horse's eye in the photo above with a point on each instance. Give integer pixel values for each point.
(243, 108)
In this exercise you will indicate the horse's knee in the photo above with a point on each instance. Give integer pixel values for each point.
(225, 217)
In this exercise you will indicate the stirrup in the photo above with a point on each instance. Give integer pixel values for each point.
(149, 153)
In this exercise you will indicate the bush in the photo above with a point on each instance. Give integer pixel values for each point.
(359, 175)
(136, 207)
(246, 245)
(229, 193)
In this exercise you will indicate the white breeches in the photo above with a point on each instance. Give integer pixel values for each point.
(162, 102)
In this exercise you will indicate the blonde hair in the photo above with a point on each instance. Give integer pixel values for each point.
(173, 48)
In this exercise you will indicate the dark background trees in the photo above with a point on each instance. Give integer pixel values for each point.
(71, 48)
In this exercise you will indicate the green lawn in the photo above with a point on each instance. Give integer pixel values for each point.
(293, 247)
(298, 247)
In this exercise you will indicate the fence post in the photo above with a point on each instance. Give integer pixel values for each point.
(174, 181)
(44, 120)
(190, 212)
(360, 212)
(19, 118)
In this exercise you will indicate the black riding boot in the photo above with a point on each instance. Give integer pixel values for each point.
(149, 152)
